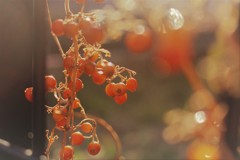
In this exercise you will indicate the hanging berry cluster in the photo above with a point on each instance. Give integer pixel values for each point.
(85, 56)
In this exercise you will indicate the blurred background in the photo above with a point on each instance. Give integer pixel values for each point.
(175, 46)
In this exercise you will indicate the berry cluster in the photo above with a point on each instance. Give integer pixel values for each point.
(84, 57)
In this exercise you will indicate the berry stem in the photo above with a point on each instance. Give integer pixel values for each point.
(67, 9)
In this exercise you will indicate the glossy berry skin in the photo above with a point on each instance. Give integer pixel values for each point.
(79, 85)
(89, 68)
(61, 123)
(94, 148)
(50, 82)
(58, 27)
(71, 29)
(29, 94)
(109, 89)
(67, 152)
(76, 103)
(66, 93)
(132, 84)
(98, 77)
(119, 89)
(59, 113)
(138, 42)
(108, 68)
(77, 138)
(86, 127)
(121, 99)
(92, 31)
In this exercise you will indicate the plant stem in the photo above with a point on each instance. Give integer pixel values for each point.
(67, 9)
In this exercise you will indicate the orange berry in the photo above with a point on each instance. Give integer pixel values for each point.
(94, 148)
(108, 68)
(29, 94)
(92, 31)
(89, 68)
(76, 103)
(98, 77)
(59, 113)
(50, 82)
(68, 63)
(78, 85)
(121, 99)
(66, 93)
(67, 153)
(139, 40)
(86, 127)
(119, 89)
(58, 27)
(77, 138)
(132, 84)
(71, 29)
(61, 123)
(109, 89)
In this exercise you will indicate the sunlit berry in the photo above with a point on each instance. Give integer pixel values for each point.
(78, 85)
(108, 68)
(121, 99)
(77, 138)
(58, 27)
(98, 77)
(109, 89)
(29, 94)
(61, 123)
(131, 84)
(139, 40)
(66, 93)
(76, 103)
(92, 31)
(50, 82)
(71, 29)
(94, 148)
(67, 152)
(86, 127)
(59, 113)
(89, 68)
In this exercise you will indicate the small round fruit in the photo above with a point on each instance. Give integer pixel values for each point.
(79, 85)
(61, 123)
(50, 82)
(89, 68)
(119, 89)
(109, 89)
(77, 138)
(58, 27)
(131, 84)
(68, 63)
(140, 40)
(71, 29)
(29, 94)
(76, 103)
(98, 77)
(121, 99)
(94, 148)
(67, 152)
(66, 93)
(86, 127)
(59, 113)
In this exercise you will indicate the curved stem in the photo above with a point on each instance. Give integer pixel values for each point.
(112, 132)
(67, 9)
(54, 36)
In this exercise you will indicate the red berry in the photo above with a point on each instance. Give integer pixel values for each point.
(92, 31)
(66, 93)
(59, 113)
(86, 127)
(58, 27)
(121, 99)
(29, 94)
(76, 103)
(71, 29)
(94, 148)
(139, 40)
(108, 68)
(50, 82)
(119, 89)
(67, 153)
(89, 68)
(98, 77)
(109, 89)
(77, 138)
(132, 84)
(79, 85)
(61, 123)
(68, 63)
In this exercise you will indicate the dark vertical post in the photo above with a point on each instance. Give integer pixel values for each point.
(39, 56)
